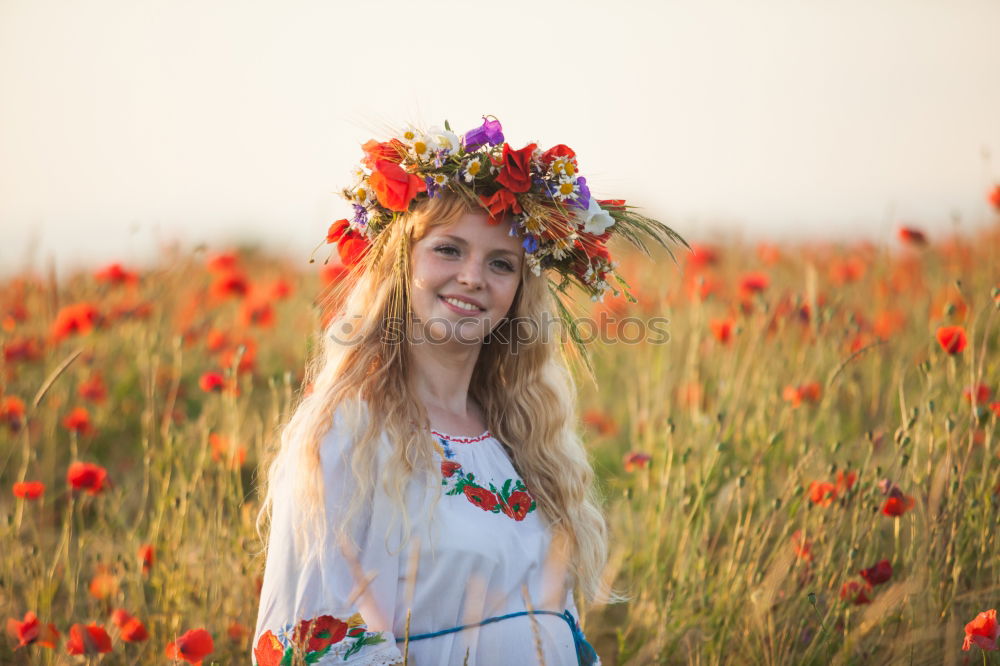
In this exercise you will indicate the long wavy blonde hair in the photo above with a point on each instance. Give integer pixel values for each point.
(523, 387)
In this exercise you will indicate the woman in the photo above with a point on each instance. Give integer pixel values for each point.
(430, 500)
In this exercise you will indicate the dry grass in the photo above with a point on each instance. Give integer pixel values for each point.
(703, 534)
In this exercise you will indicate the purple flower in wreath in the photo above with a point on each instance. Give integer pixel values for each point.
(432, 187)
(530, 244)
(582, 200)
(542, 185)
(489, 132)
(360, 215)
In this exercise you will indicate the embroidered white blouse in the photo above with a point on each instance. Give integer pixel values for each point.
(476, 553)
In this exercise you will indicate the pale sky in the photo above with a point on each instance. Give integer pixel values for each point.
(124, 123)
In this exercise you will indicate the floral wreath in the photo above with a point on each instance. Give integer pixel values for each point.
(561, 225)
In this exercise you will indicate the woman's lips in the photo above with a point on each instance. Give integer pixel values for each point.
(455, 308)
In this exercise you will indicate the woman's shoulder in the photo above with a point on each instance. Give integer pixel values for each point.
(348, 425)
(347, 422)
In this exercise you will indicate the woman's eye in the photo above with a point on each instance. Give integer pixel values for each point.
(505, 265)
(446, 249)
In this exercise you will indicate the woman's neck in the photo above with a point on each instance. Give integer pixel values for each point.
(440, 379)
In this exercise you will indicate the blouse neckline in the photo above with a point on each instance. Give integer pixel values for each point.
(461, 440)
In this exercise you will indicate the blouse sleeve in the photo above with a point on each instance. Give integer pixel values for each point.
(318, 605)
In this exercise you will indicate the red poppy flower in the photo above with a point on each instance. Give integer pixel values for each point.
(515, 174)
(103, 585)
(257, 312)
(557, 152)
(30, 631)
(90, 639)
(802, 546)
(822, 492)
(702, 255)
(216, 340)
(994, 197)
(212, 382)
(237, 632)
(612, 204)
(333, 273)
(980, 394)
(320, 633)
(222, 263)
(845, 481)
(995, 408)
(12, 412)
(22, 349)
(230, 284)
(599, 422)
(351, 244)
(897, 506)
(481, 497)
(912, 236)
(952, 339)
(223, 450)
(449, 467)
(351, 249)
(983, 631)
(499, 203)
(192, 646)
(78, 421)
(116, 274)
(245, 348)
(855, 592)
(880, 573)
(754, 283)
(846, 271)
(29, 490)
(796, 395)
(75, 319)
(888, 323)
(130, 628)
(87, 476)
(636, 460)
(146, 557)
(15, 314)
(93, 389)
(722, 330)
(394, 187)
(517, 506)
(281, 289)
(390, 151)
(768, 254)
(269, 651)
(337, 230)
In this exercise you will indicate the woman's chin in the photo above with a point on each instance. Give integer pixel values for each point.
(452, 331)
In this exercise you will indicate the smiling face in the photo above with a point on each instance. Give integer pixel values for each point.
(464, 278)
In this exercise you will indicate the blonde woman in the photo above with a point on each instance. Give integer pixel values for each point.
(430, 501)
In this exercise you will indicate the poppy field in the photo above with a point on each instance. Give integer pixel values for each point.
(806, 471)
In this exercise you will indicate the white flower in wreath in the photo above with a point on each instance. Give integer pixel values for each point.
(471, 169)
(442, 139)
(358, 174)
(410, 135)
(422, 148)
(595, 220)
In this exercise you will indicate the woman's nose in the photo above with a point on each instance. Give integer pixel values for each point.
(471, 273)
